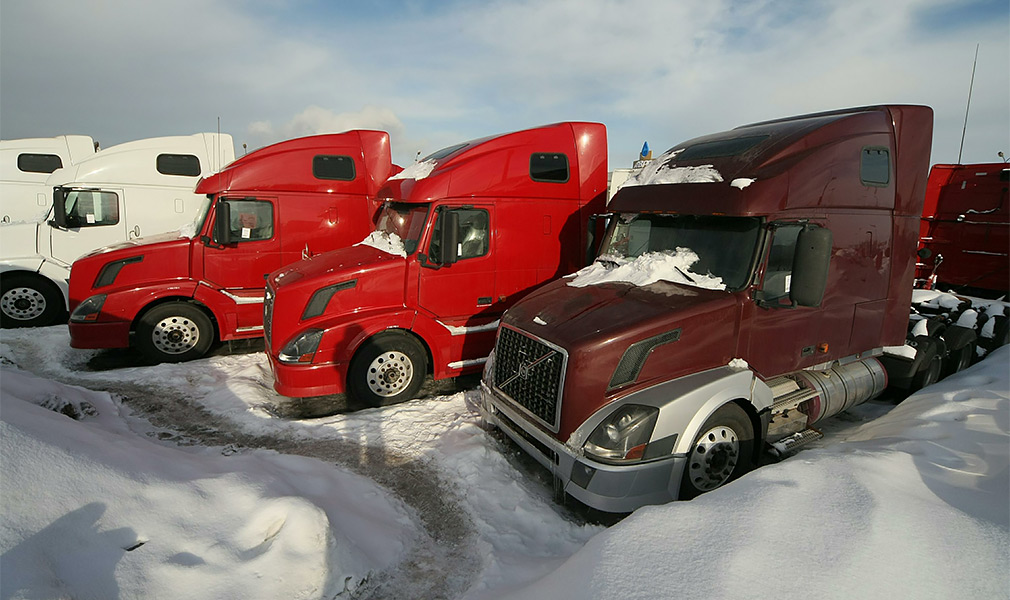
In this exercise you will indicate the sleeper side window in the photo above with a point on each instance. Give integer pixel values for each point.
(551, 167)
(875, 166)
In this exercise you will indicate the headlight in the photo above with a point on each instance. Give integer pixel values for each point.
(624, 435)
(302, 348)
(88, 310)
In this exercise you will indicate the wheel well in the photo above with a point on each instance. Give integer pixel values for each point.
(53, 287)
(757, 426)
(168, 300)
(401, 331)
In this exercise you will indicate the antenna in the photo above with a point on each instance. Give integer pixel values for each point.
(966, 108)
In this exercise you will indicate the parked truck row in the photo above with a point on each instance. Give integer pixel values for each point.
(750, 284)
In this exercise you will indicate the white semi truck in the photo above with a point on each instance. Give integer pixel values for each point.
(121, 193)
(26, 164)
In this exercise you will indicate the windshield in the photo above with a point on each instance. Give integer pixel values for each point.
(724, 246)
(189, 229)
(405, 221)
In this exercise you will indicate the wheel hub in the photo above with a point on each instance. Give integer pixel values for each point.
(390, 373)
(23, 303)
(175, 335)
(714, 458)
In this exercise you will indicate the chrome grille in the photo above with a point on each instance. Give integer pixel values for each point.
(530, 372)
(268, 313)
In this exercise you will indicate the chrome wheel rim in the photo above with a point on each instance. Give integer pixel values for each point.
(390, 373)
(23, 303)
(175, 335)
(714, 457)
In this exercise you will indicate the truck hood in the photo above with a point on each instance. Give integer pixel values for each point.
(371, 280)
(143, 261)
(142, 245)
(596, 324)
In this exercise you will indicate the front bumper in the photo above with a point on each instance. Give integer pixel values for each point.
(300, 381)
(609, 488)
(100, 335)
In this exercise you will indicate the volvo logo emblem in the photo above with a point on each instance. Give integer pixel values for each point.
(526, 367)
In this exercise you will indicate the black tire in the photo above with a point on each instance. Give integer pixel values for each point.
(174, 332)
(959, 359)
(928, 374)
(388, 368)
(30, 300)
(723, 451)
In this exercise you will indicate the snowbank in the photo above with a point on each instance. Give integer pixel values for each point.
(91, 510)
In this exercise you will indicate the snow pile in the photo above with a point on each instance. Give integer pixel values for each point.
(645, 269)
(662, 170)
(741, 182)
(914, 504)
(91, 510)
(387, 242)
(416, 171)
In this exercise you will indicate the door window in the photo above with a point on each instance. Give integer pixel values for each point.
(91, 208)
(251, 220)
(473, 234)
(779, 270)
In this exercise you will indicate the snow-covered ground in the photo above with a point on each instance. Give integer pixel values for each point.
(181, 481)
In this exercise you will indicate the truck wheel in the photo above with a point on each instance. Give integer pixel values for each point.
(388, 368)
(29, 300)
(927, 375)
(721, 452)
(960, 359)
(174, 332)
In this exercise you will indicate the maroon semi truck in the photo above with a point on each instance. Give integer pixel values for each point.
(746, 285)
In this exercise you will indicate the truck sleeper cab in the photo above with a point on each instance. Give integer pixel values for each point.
(173, 296)
(143, 187)
(745, 288)
(26, 164)
(462, 235)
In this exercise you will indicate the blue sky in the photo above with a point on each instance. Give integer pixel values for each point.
(436, 73)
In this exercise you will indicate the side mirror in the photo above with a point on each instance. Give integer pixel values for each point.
(60, 207)
(450, 237)
(810, 266)
(222, 223)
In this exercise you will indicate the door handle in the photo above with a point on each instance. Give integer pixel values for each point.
(136, 231)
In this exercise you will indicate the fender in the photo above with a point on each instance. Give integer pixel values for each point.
(27, 263)
(686, 403)
(340, 342)
(130, 304)
(956, 337)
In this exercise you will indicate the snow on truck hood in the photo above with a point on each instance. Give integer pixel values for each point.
(387, 242)
(646, 269)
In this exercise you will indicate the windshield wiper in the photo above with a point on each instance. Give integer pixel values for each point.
(686, 276)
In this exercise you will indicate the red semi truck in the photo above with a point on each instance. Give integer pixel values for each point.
(173, 295)
(746, 285)
(966, 230)
(462, 235)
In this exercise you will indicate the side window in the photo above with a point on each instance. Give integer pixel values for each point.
(251, 220)
(179, 164)
(551, 167)
(473, 234)
(340, 168)
(91, 208)
(39, 163)
(778, 272)
(875, 166)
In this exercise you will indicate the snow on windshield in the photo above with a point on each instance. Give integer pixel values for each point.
(387, 242)
(662, 170)
(418, 170)
(645, 269)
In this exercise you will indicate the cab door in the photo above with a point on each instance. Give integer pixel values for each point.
(94, 218)
(460, 292)
(239, 266)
